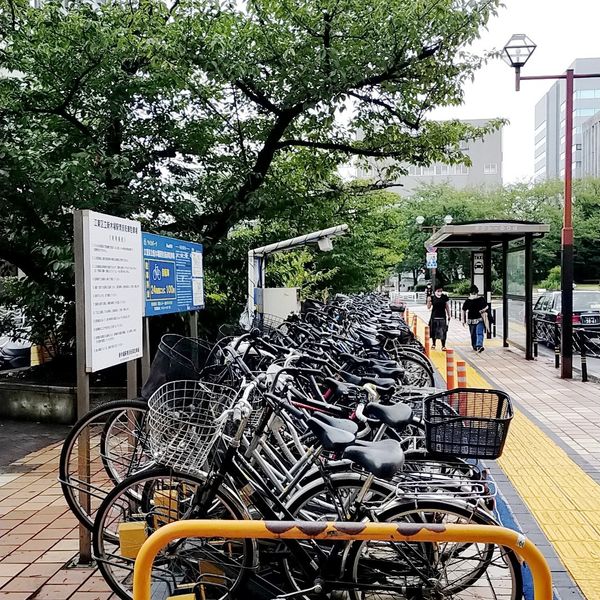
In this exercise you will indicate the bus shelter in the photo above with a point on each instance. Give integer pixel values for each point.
(514, 240)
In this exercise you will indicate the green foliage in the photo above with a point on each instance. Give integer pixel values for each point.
(552, 282)
(201, 118)
(461, 288)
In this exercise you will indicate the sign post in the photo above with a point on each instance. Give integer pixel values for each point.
(431, 263)
(109, 298)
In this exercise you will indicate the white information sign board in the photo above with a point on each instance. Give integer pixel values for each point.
(113, 276)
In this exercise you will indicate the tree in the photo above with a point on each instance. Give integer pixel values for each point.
(203, 116)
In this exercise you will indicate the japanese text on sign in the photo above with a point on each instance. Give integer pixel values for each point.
(173, 275)
(113, 290)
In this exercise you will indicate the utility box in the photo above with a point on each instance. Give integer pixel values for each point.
(279, 302)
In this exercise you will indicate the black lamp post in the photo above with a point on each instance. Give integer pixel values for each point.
(516, 53)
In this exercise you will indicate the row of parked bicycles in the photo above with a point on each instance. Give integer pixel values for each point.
(330, 415)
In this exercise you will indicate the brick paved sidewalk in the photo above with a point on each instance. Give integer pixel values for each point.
(552, 455)
(38, 535)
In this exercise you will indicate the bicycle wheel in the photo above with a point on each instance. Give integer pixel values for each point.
(116, 448)
(465, 571)
(417, 372)
(147, 501)
(332, 500)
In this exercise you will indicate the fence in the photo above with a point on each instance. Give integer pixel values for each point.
(302, 530)
(407, 296)
(586, 341)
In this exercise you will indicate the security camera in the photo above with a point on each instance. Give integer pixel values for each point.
(325, 244)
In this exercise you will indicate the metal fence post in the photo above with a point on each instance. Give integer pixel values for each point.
(583, 354)
(556, 347)
(535, 337)
(494, 325)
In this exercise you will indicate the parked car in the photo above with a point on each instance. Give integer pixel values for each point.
(14, 354)
(547, 313)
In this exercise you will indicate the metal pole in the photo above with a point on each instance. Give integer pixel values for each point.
(83, 387)
(528, 297)
(556, 346)
(146, 348)
(494, 325)
(535, 338)
(567, 242)
(583, 354)
(132, 386)
(504, 294)
(487, 281)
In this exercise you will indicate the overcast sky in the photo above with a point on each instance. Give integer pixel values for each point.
(563, 31)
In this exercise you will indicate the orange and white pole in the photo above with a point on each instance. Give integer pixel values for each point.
(414, 325)
(461, 373)
(427, 342)
(450, 369)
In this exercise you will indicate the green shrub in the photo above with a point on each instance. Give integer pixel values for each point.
(552, 281)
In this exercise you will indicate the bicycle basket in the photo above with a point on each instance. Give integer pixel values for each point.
(467, 422)
(177, 358)
(185, 419)
(266, 323)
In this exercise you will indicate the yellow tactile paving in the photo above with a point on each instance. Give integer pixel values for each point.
(564, 500)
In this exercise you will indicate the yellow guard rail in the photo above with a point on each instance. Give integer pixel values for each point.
(301, 530)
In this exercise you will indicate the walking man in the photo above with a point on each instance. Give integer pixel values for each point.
(475, 315)
(440, 316)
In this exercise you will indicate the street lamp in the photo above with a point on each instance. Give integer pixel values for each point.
(516, 53)
(419, 220)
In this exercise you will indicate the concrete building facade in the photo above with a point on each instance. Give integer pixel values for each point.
(591, 147)
(485, 169)
(549, 150)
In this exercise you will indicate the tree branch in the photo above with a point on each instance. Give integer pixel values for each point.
(393, 111)
(338, 147)
(257, 96)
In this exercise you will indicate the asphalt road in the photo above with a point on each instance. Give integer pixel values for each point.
(19, 438)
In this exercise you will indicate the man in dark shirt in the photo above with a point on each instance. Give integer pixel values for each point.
(474, 313)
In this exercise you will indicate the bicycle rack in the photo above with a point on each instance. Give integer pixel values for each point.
(302, 530)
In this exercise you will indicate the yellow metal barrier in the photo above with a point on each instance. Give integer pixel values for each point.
(301, 530)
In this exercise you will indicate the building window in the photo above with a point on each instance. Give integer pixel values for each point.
(576, 146)
(490, 169)
(429, 170)
(414, 171)
(587, 94)
(585, 112)
(444, 170)
(461, 170)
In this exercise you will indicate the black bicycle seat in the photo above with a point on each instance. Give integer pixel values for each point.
(383, 459)
(390, 333)
(331, 438)
(368, 340)
(356, 360)
(344, 424)
(395, 415)
(381, 385)
(387, 372)
(341, 388)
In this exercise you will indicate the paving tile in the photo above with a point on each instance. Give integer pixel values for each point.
(24, 584)
(54, 592)
(11, 569)
(56, 556)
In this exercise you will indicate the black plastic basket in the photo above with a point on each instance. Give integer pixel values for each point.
(267, 323)
(467, 422)
(177, 358)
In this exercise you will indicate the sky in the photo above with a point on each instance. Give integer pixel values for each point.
(563, 31)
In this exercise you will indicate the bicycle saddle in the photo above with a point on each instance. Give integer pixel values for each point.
(381, 385)
(356, 360)
(394, 415)
(390, 333)
(368, 340)
(387, 372)
(341, 388)
(383, 459)
(331, 438)
(344, 424)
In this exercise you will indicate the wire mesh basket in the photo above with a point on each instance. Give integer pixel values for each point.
(467, 422)
(185, 418)
(267, 323)
(177, 358)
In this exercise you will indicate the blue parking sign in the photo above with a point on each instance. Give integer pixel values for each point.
(173, 275)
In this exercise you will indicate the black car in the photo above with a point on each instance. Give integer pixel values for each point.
(547, 313)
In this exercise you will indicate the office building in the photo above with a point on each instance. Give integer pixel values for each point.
(549, 151)
(485, 169)
(591, 147)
